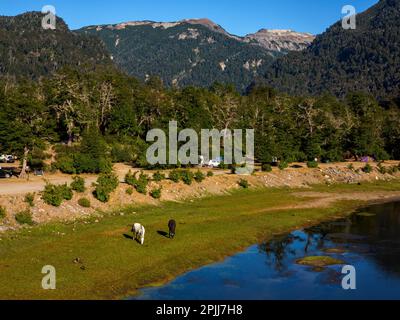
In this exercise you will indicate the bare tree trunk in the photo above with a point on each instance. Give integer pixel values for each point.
(23, 174)
(70, 133)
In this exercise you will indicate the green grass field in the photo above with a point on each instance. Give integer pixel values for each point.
(115, 266)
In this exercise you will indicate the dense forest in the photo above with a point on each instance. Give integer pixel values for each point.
(339, 61)
(62, 98)
(26, 50)
(185, 54)
(102, 116)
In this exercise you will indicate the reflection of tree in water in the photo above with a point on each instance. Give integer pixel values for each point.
(278, 249)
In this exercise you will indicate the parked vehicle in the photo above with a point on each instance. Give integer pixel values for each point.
(4, 174)
(7, 158)
(214, 163)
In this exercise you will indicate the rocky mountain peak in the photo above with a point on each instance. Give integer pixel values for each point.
(281, 40)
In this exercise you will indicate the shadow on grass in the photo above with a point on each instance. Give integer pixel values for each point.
(127, 236)
(163, 233)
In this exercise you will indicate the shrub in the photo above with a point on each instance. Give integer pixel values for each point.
(393, 170)
(312, 164)
(65, 164)
(210, 174)
(158, 176)
(283, 165)
(24, 217)
(84, 202)
(367, 168)
(106, 183)
(350, 166)
(29, 198)
(243, 183)
(156, 193)
(78, 184)
(382, 169)
(129, 191)
(65, 191)
(175, 176)
(2, 212)
(266, 167)
(223, 166)
(139, 184)
(52, 195)
(130, 178)
(122, 152)
(187, 177)
(199, 176)
(142, 183)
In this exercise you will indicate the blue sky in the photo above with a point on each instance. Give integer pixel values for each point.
(236, 16)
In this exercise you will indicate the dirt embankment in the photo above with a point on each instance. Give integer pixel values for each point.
(12, 192)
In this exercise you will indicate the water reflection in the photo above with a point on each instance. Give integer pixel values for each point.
(368, 240)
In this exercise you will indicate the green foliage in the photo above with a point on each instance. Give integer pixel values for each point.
(187, 177)
(350, 167)
(210, 174)
(78, 184)
(223, 166)
(175, 176)
(129, 191)
(65, 164)
(29, 199)
(52, 50)
(140, 183)
(382, 169)
(84, 202)
(24, 217)
(66, 192)
(367, 169)
(148, 50)
(199, 176)
(122, 152)
(105, 185)
(266, 167)
(340, 62)
(158, 176)
(73, 109)
(55, 194)
(243, 183)
(393, 170)
(283, 165)
(90, 157)
(3, 213)
(156, 193)
(312, 164)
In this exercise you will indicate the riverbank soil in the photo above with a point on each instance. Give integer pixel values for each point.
(13, 191)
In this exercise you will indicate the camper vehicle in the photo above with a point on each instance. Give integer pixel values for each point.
(7, 158)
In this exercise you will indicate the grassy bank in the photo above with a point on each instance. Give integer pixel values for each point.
(115, 266)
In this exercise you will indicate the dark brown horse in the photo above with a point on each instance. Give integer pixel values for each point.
(172, 228)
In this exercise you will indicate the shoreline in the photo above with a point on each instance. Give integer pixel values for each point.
(346, 213)
(209, 230)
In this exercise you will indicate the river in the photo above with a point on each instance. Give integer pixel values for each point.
(369, 240)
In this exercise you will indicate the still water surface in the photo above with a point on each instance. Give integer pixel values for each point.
(369, 238)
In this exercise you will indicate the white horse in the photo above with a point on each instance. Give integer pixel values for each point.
(139, 231)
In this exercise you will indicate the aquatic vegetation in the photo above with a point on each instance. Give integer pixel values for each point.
(319, 261)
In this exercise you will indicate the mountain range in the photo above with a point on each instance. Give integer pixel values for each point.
(194, 52)
(27, 50)
(340, 61)
(199, 52)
